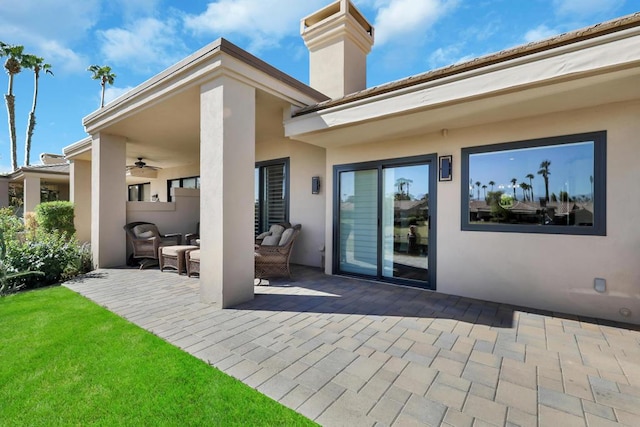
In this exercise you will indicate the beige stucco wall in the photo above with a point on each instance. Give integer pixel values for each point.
(551, 272)
(4, 191)
(305, 162)
(80, 195)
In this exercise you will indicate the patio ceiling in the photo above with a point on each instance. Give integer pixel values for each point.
(167, 133)
(160, 118)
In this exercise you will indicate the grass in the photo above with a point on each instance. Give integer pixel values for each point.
(66, 361)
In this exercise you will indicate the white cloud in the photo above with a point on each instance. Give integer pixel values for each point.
(584, 8)
(541, 32)
(22, 22)
(263, 23)
(49, 29)
(144, 45)
(113, 92)
(398, 20)
(62, 58)
(448, 55)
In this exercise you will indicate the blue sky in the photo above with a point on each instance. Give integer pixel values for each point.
(139, 38)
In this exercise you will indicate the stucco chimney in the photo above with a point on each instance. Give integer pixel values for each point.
(338, 38)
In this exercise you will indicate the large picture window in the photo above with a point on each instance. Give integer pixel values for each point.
(551, 185)
(271, 194)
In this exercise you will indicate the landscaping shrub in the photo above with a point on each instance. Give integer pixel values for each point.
(9, 223)
(9, 281)
(56, 216)
(52, 253)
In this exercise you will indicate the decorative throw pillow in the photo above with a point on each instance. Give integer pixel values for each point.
(263, 235)
(271, 240)
(286, 236)
(276, 229)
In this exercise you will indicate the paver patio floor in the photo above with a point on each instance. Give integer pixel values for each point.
(349, 352)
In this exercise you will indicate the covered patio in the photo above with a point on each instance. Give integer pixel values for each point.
(352, 352)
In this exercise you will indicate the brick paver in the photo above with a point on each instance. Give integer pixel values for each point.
(351, 352)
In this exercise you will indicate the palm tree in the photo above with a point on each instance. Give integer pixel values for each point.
(484, 188)
(525, 188)
(513, 185)
(478, 184)
(531, 176)
(13, 65)
(36, 64)
(492, 183)
(544, 171)
(591, 181)
(105, 76)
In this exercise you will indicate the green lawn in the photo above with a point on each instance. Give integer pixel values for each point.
(66, 361)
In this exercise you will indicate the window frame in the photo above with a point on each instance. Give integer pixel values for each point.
(599, 227)
(287, 198)
(181, 180)
(139, 186)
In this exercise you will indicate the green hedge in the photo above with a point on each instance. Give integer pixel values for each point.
(56, 216)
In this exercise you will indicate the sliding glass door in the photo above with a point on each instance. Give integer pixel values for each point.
(384, 217)
(358, 229)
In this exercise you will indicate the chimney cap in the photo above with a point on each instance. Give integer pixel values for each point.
(335, 10)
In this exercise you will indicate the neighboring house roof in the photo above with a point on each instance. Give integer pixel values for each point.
(59, 169)
(594, 31)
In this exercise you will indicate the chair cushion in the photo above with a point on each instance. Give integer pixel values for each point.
(145, 235)
(286, 236)
(271, 240)
(194, 255)
(176, 249)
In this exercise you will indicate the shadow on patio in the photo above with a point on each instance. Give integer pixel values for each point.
(310, 290)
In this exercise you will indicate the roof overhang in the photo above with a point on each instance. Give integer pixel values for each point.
(588, 72)
(160, 118)
(80, 150)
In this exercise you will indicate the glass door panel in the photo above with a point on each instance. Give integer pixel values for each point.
(405, 222)
(358, 232)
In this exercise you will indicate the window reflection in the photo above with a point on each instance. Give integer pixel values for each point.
(535, 183)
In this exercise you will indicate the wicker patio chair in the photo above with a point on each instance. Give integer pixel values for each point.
(273, 261)
(145, 241)
(193, 238)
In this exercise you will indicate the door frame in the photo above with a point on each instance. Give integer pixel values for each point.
(380, 165)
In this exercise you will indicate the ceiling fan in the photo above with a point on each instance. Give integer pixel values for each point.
(140, 169)
(141, 165)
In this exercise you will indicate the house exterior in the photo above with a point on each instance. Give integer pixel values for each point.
(507, 178)
(31, 185)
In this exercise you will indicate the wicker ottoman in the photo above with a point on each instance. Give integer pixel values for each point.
(193, 262)
(173, 257)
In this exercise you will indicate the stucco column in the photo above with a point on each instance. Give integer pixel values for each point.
(227, 162)
(31, 192)
(80, 196)
(4, 192)
(108, 200)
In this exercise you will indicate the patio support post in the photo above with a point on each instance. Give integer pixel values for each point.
(108, 200)
(80, 196)
(227, 162)
(31, 192)
(4, 192)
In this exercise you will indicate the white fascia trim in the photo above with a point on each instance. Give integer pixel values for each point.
(77, 148)
(611, 51)
(195, 70)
